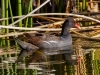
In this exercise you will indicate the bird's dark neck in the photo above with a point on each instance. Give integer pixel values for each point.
(65, 32)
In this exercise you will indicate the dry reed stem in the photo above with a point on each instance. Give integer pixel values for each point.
(16, 34)
(56, 29)
(44, 18)
(68, 14)
(10, 52)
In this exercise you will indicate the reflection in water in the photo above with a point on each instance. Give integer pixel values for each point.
(57, 50)
(45, 61)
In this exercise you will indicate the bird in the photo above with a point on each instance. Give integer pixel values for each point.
(27, 49)
(47, 41)
(52, 41)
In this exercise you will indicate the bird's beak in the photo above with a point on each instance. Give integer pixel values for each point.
(77, 25)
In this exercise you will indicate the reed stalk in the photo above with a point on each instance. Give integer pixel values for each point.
(35, 72)
(96, 67)
(78, 5)
(84, 5)
(2, 67)
(6, 23)
(11, 14)
(19, 3)
(20, 12)
(7, 31)
(70, 69)
(24, 7)
(60, 5)
(3, 11)
(24, 10)
(2, 43)
(38, 4)
(30, 18)
(12, 19)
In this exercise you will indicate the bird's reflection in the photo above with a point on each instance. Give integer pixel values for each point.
(57, 50)
(53, 59)
(46, 55)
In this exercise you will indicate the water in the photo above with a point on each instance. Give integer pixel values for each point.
(42, 62)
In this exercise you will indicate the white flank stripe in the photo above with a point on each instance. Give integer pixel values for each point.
(53, 41)
(47, 42)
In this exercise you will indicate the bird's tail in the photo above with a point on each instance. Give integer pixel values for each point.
(20, 43)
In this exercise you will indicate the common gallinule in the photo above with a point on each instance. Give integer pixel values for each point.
(51, 41)
(27, 49)
(46, 40)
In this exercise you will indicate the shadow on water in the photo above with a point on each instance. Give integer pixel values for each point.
(53, 61)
